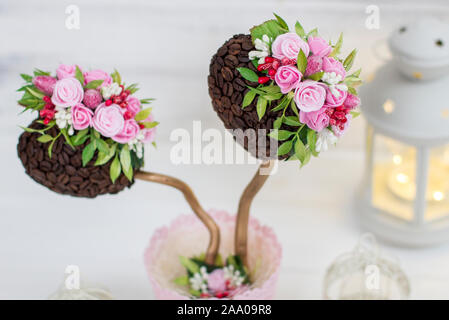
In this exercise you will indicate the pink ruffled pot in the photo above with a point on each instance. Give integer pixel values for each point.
(186, 236)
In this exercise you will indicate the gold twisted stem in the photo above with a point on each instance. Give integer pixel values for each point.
(251, 190)
(214, 231)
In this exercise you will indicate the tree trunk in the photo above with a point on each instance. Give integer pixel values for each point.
(214, 231)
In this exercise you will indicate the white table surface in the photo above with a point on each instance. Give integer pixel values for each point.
(310, 209)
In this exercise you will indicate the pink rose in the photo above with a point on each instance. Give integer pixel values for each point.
(340, 130)
(66, 71)
(314, 65)
(319, 46)
(310, 95)
(81, 117)
(108, 120)
(287, 45)
(133, 105)
(129, 132)
(67, 92)
(333, 100)
(351, 102)
(216, 281)
(315, 120)
(46, 84)
(333, 65)
(92, 98)
(149, 134)
(287, 78)
(98, 75)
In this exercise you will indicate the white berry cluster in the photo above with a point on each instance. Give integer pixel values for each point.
(111, 90)
(199, 280)
(333, 80)
(136, 144)
(234, 276)
(63, 118)
(263, 49)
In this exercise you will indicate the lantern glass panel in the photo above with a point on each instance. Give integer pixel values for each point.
(393, 177)
(437, 193)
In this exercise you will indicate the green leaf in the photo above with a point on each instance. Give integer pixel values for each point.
(302, 62)
(125, 160)
(104, 158)
(292, 121)
(300, 150)
(248, 98)
(354, 114)
(284, 103)
(261, 107)
(88, 152)
(31, 130)
(357, 73)
(352, 90)
(271, 28)
(114, 172)
(132, 88)
(146, 101)
(311, 141)
(79, 76)
(35, 92)
(38, 72)
(94, 84)
(26, 77)
(248, 74)
(191, 266)
(281, 135)
(336, 50)
(273, 96)
(194, 293)
(347, 64)
(316, 76)
(67, 138)
(313, 33)
(271, 89)
(285, 148)
(79, 138)
(294, 108)
(277, 123)
(219, 260)
(182, 281)
(116, 77)
(45, 138)
(143, 114)
(102, 146)
(281, 21)
(149, 125)
(300, 30)
(306, 158)
(50, 147)
(352, 81)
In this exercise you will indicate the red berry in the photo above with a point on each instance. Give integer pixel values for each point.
(204, 295)
(108, 102)
(127, 115)
(271, 72)
(43, 113)
(127, 92)
(141, 126)
(264, 66)
(285, 61)
(269, 59)
(124, 104)
(117, 100)
(219, 295)
(123, 95)
(263, 80)
(47, 121)
(46, 99)
(276, 64)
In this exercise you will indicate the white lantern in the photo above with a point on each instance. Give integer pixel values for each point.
(405, 192)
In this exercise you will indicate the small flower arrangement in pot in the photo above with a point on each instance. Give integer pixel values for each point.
(89, 136)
